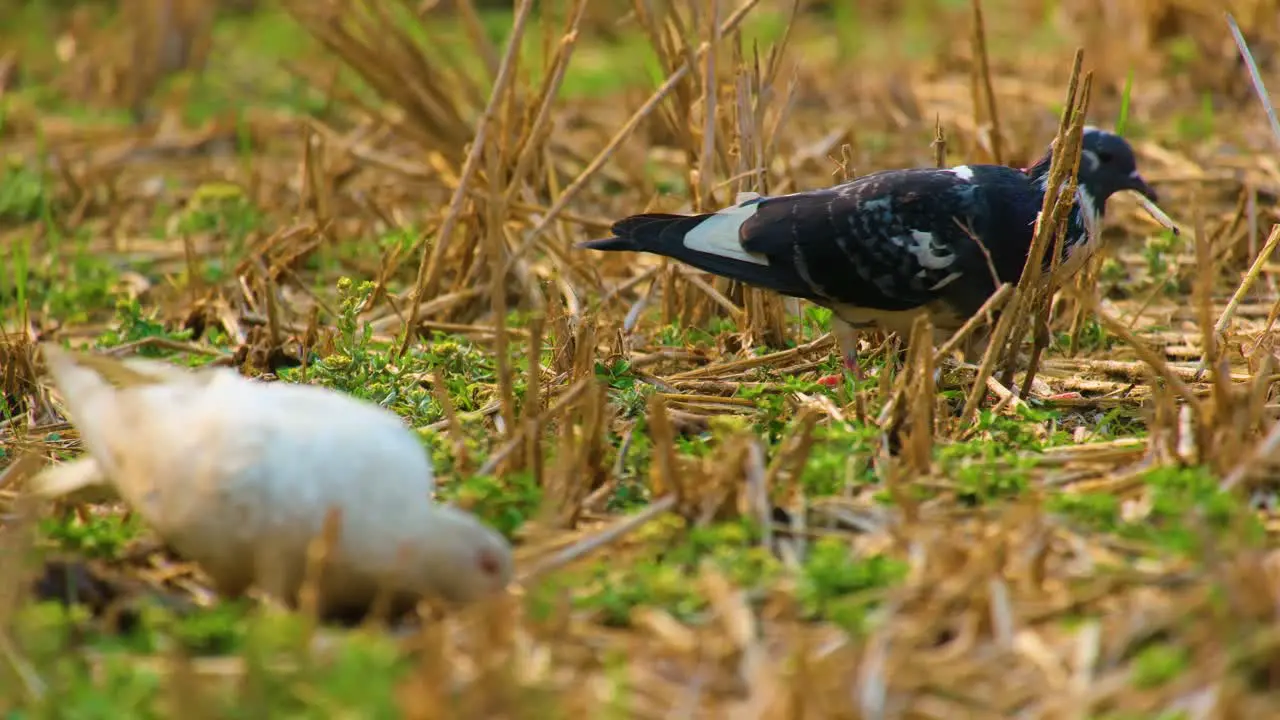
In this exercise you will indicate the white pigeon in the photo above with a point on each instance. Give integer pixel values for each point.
(237, 475)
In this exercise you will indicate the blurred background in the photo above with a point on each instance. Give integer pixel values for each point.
(137, 57)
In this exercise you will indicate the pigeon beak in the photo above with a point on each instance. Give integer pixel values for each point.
(1138, 185)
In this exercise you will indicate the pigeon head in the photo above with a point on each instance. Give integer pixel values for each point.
(466, 559)
(1107, 166)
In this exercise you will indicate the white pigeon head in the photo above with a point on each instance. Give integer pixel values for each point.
(471, 559)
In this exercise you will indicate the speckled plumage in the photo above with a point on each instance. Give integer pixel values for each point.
(884, 247)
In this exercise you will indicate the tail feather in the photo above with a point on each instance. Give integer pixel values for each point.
(611, 244)
(95, 389)
(78, 380)
(106, 371)
(84, 379)
(658, 233)
(80, 480)
(658, 224)
(707, 241)
(163, 372)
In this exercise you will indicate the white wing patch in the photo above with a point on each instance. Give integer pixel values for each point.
(946, 281)
(921, 245)
(718, 234)
(964, 172)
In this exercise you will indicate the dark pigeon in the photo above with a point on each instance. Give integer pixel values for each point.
(882, 248)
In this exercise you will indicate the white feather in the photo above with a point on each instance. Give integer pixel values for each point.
(79, 480)
(921, 245)
(238, 475)
(1091, 159)
(718, 234)
(946, 281)
(1083, 248)
(1089, 212)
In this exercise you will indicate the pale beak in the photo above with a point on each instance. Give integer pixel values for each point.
(1138, 185)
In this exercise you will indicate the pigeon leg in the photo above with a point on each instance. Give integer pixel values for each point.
(847, 343)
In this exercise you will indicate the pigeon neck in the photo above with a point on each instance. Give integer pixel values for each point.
(1039, 176)
(1083, 222)
(1039, 172)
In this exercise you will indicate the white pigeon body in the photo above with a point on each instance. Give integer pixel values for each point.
(238, 475)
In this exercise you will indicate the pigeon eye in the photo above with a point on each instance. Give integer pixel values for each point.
(1105, 156)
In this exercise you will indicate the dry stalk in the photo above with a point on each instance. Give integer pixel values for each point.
(516, 438)
(1040, 306)
(535, 235)
(498, 291)
(985, 370)
(535, 131)
(920, 366)
(822, 344)
(454, 431)
(991, 306)
(782, 477)
(1202, 288)
(430, 264)
(939, 143)
(1255, 270)
(1150, 358)
(531, 405)
(982, 86)
(369, 36)
(316, 189)
(311, 602)
(1255, 76)
(1049, 231)
(617, 530)
(702, 197)
(579, 465)
(664, 478)
(754, 145)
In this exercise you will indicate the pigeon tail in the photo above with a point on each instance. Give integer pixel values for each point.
(710, 242)
(81, 384)
(656, 233)
(163, 372)
(78, 479)
(612, 244)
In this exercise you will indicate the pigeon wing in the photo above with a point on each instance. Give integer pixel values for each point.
(889, 241)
